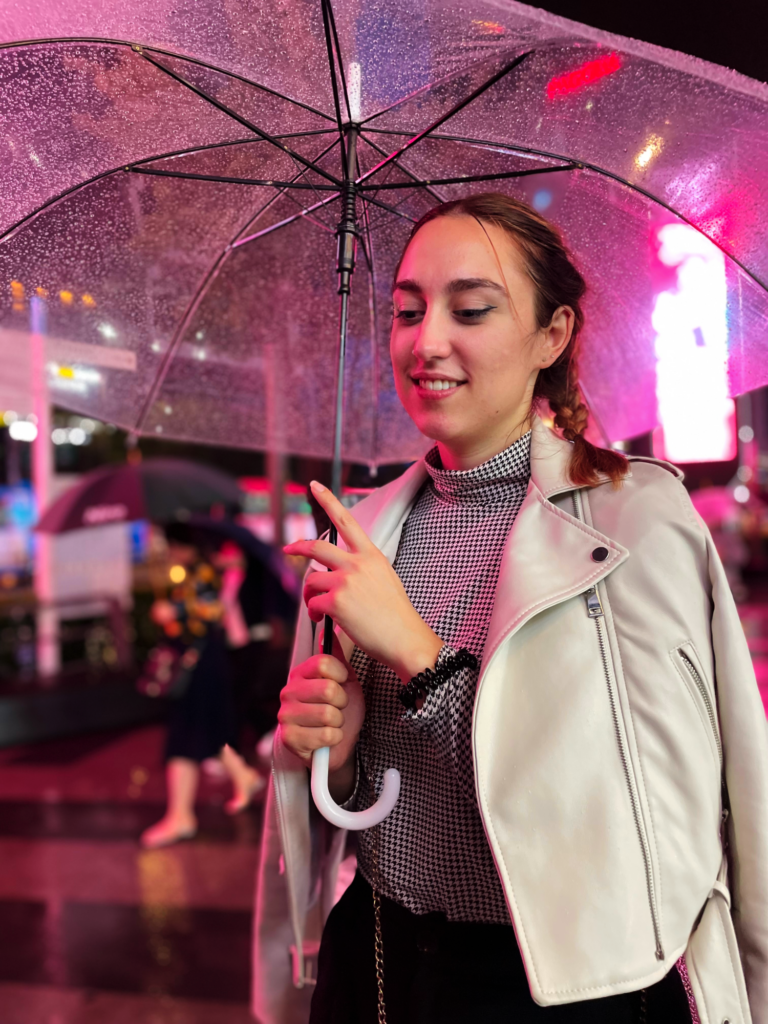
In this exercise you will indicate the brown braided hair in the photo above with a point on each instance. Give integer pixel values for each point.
(558, 283)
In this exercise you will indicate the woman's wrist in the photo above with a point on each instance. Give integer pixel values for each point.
(419, 655)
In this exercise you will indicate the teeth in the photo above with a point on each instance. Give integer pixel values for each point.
(438, 385)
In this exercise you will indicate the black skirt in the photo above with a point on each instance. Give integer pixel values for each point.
(446, 972)
(202, 720)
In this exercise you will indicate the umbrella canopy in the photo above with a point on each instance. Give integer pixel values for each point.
(162, 490)
(176, 178)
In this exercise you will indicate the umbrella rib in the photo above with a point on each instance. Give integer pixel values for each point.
(284, 223)
(168, 53)
(226, 180)
(374, 322)
(401, 167)
(454, 110)
(10, 231)
(334, 82)
(468, 178)
(390, 209)
(458, 73)
(239, 118)
(194, 303)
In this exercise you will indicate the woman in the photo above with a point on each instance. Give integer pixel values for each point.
(201, 722)
(557, 851)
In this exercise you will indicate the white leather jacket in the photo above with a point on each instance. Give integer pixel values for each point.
(615, 683)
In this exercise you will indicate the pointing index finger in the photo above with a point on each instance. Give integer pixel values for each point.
(350, 531)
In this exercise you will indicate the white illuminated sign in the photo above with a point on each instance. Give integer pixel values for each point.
(696, 414)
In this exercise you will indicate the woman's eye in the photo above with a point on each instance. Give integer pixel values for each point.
(408, 315)
(472, 314)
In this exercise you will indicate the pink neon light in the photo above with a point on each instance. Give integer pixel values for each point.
(588, 73)
(690, 319)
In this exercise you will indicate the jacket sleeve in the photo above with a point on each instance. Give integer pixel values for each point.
(282, 882)
(745, 751)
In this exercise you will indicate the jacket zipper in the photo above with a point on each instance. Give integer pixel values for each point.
(702, 688)
(595, 612)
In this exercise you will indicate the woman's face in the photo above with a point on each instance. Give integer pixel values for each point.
(465, 357)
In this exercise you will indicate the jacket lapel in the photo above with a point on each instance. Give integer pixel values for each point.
(548, 555)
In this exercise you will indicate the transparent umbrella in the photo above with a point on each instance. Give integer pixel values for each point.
(175, 175)
(190, 183)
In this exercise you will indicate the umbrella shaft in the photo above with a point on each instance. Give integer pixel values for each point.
(347, 229)
(347, 235)
(338, 429)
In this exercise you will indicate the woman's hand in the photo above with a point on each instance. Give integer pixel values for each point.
(322, 705)
(363, 594)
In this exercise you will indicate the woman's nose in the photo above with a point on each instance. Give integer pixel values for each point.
(432, 338)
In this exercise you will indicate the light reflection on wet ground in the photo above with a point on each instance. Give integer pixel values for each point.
(97, 930)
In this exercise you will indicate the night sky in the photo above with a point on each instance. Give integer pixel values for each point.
(729, 33)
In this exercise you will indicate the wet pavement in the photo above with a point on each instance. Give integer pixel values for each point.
(94, 929)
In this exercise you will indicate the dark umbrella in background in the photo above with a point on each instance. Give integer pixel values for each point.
(162, 490)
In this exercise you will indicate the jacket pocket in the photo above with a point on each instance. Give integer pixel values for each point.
(714, 964)
(687, 663)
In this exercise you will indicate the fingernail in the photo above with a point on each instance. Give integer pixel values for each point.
(317, 486)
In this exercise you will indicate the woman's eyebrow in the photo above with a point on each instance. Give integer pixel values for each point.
(466, 284)
(407, 285)
(459, 284)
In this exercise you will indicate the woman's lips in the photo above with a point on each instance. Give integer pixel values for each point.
(436, 389)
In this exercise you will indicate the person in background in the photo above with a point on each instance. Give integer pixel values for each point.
(202, 720)
(260, 593)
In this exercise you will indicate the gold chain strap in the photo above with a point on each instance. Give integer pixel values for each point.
(378, 946)
(378, 940)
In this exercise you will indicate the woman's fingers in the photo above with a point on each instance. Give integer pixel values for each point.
(311, 716)
(319, 606)
(324, 666)
(321, 551)
(304, 742)
(350, 531)
(317, 583)
(320, 691)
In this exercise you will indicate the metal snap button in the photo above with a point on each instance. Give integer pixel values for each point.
(600, 554)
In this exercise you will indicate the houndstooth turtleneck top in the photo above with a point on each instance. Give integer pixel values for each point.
(433, 853)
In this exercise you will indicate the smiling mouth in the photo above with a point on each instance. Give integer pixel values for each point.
(437, 385)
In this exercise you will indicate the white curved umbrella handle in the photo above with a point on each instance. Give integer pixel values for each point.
(354, 820)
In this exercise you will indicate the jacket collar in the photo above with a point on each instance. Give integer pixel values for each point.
(548, 555)
(550, 456)
(386, 509)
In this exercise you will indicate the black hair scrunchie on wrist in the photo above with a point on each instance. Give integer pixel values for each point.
(428, 680)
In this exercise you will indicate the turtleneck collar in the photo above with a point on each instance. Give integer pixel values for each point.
(486, 484)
